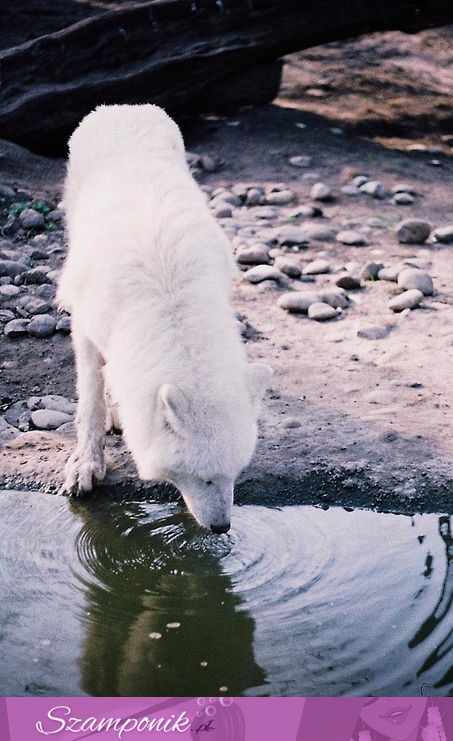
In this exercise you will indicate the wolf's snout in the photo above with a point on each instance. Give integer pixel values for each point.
(220, 529)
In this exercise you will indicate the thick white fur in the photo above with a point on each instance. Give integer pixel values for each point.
(147, 280)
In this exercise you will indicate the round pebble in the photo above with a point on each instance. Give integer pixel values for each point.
(407, 300)
(348, 282)
(298, 302)
(321, 312)
(444, 234)
(375, 189)
(351, 237)
(414, 278)
(9, 291)
(390, 274)
(31, 219)
(370, 271)
(262, 272)
(279, 198)
(254, 255)
(16, 328)
(321, 192)
(335, 297)
(41, 326)
(413, 231)
(289, 267)
(316, 267)
(403, 199)
(12, 268)
(49, 419)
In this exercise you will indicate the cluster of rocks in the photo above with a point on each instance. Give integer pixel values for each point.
(23, 211)
(49, 412)
(27, 281)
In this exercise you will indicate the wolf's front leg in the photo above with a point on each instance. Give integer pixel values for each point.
(87, 463)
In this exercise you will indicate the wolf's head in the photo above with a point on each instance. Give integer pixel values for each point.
(202, 442)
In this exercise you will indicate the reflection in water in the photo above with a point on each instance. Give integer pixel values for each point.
(162, 618)
(440, 611)
(132, 598)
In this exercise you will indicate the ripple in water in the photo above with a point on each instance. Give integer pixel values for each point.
(132, 598)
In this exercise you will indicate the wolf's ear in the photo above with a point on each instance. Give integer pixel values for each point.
(258, 378)
(173, 406)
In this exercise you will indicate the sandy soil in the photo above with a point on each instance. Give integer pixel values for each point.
(375, 415)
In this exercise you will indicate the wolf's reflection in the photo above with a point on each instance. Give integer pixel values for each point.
(144, 571)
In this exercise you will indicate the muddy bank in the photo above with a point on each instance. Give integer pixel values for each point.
(349, 420)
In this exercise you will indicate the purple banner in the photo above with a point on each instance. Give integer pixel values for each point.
(228, 719)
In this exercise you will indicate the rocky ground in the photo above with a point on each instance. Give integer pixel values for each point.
(346, 289)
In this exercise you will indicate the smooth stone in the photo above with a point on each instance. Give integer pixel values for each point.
(318, 233)
(348, 282)
(404, 188)
(223, 212)
(254, 197)
(56, 215)
(16, 328)
(371, 270)
(292, 235)
(9, 291)
(31, 219)
(39, 239)
(403, 199)
(321, 192)
(46, 291)
(413, 231)
(444, 234)
(375, 189)
(298, 302)
(279, 198)
(265, 212)
(360, 180)
(260, 273)
(55, 402)
(321, 312)
(289, 267)
(300, 160)
(316, 267)
(36, 306)
(390, 274)
(414, 278)
(6, 315)
(36, 276)
(373, 332)
(64, 325)
(38, 254)
(337, 298)
(11, 268)
(18, 415)
(307, 211)
(224, 196)
(351, 237)
(254, 255)
(407, 300)
(48, 419)
(41, 326)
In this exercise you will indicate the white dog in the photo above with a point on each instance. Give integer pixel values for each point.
(147, 280)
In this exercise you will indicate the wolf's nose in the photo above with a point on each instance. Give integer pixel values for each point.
(220, 529)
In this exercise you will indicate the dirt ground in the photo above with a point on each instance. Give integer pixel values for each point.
(348, 420)
(375, 422)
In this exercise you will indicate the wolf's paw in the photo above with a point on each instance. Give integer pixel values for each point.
(82, 472)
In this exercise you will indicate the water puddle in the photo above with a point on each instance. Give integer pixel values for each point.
(131, 598)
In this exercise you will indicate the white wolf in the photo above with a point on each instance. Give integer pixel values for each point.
(147, 280)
